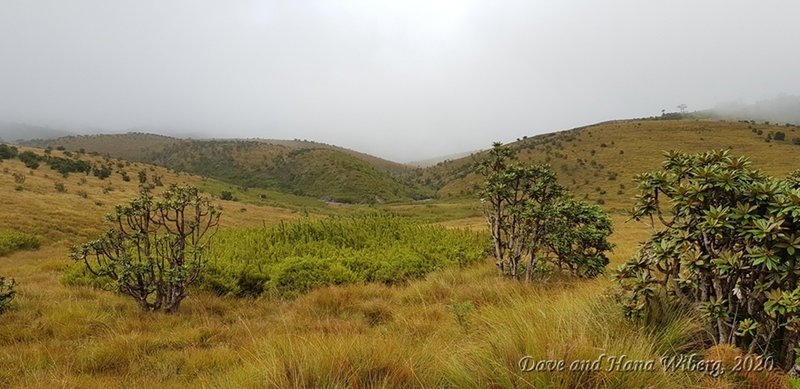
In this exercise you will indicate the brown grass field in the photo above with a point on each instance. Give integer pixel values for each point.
(412, 335)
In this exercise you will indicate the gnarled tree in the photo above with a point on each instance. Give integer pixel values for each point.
(531, 216)
(155, 248)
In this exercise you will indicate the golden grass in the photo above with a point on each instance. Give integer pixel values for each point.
(413, 335)
(355, 336)
(635, 146)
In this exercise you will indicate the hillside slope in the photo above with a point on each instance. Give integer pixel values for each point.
(69, 207)
(300, 167)
(598, 162)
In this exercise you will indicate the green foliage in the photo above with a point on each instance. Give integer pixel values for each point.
(779, 135)
(155, 248)
(578, 236)
(30, 159)
(11, 241)
(7, 293)
(226, 195)
(323, 173)
(295, 257)
(729, 245)
(531, 215)
(65, 165)
(7, 152)
(102, 172)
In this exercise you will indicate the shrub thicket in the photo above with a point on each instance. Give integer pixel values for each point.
(294, 257)
(30, 159)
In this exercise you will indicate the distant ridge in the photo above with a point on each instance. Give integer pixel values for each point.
(433, 161)
(300, 167)
(17, 132)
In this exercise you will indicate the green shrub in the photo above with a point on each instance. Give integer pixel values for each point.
(76, 275)
(30, 159)
(728, 244)
(226, 195)
(779, 135)
(11, 241)
(292, 258)
(155, 247)
(101, 172)
(297, 275)
(64, 165)
(7, 152)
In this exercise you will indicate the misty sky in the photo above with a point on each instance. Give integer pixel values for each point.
(405, 80)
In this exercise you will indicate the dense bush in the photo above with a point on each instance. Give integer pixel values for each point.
(65, 165)
(226, 195)
(101, 172)
(779, 135)
(11, 241)
(7, 152)
(294, 257)
(30, 159)
(531, 217)
(728, 243)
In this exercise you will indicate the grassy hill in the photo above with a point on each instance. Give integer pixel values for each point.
(65, 207)
(300, 167)
(598, 162)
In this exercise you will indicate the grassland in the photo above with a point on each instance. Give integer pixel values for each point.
(598, 162)
(453, 327)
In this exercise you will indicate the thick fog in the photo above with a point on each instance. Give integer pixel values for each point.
(405, 80)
